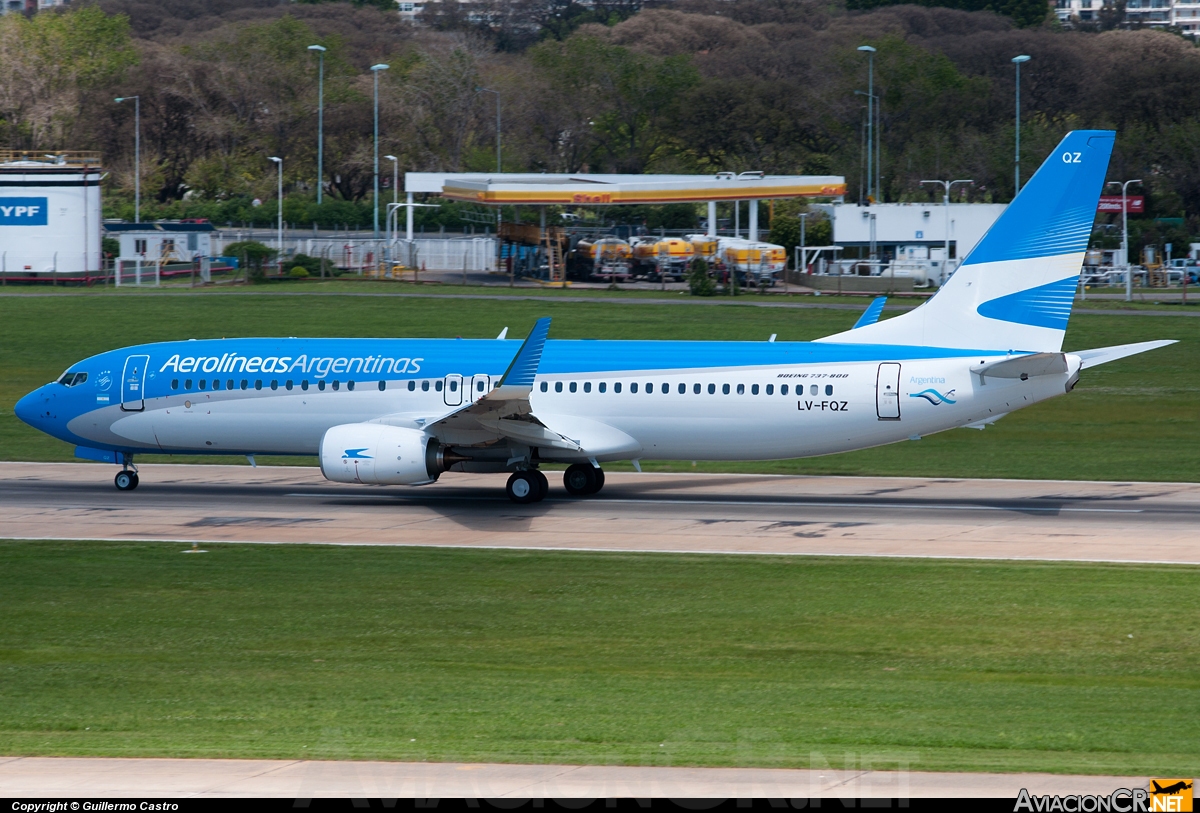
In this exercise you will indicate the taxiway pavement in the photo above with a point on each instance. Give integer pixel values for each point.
(305, 779)
(702, 513)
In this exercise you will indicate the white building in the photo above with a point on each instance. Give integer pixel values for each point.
(913, 231)
(49, 214)
(1184, 14)
(170, 242)
(29, 6)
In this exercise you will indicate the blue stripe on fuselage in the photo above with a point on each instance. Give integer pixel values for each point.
(358, 359)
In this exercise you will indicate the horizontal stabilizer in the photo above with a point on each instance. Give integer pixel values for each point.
(1103, 355)
(871, 315)
(1023, 367)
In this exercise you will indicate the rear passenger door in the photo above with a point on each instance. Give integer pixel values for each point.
(887, 392)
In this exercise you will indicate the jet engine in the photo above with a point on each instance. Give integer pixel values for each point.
(378, 454)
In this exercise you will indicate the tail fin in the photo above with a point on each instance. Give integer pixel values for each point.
(1014, 290)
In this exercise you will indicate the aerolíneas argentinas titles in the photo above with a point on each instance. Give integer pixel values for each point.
(402, 411)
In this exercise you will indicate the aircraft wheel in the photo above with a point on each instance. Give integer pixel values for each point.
(580, 479)
(543, 485)
(599, 480)
(126, 480)
(523, 487)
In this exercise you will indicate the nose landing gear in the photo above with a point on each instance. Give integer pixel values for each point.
(127, 477)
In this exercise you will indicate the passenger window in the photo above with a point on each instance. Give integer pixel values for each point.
(784, 388)
(350, 386)
(633, 387)
(187, 384)
(770, 389)
(337, 385)
(321, 385)
(203, 384)
(545, 386)
(245, 383)
(574, 387)
(741, 389)
(812, 390)
(696, 389)
(724, 389)
(217, 384)
(829, 389)
(479, 386)
(258, 384)
(603, 386)
(424, 386)
(174, 383)
(712, 389)
(382, 386)
(558, 386)
(304, 385)
(617, 387)
(754, 389)
(437, 387)
(412, 386)
(649, 389)
(587, 386)
(274, 384)
(453, 386)
(666, 388)
(682, 389)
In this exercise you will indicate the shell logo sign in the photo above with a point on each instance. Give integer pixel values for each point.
(585, 198)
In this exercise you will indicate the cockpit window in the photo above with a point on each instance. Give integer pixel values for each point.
(72, 379)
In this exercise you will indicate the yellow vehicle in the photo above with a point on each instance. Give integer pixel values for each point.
(707, 248)
(755, 261)
(672, 254)
(604, 258)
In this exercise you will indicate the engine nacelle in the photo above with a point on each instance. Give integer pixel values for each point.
(378, 454)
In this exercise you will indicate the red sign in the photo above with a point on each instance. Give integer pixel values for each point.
(1112, 203)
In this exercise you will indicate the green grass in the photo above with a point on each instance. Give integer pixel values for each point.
(436, 654)
(1134, 419)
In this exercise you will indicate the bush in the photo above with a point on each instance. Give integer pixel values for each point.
(298, 272)
(700, 283)
(253, 256)
(313, 265)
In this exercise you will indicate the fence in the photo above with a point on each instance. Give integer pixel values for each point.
(355, 254)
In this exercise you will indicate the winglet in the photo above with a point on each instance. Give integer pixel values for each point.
(871, 315)
(524, 366)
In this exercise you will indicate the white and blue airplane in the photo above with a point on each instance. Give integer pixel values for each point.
(402, 411)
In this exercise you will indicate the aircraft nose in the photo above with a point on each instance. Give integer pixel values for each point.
(34, 407)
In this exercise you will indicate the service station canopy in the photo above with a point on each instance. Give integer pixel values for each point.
(507, 189)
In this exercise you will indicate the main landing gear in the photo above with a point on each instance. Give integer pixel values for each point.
(583, 480)
(530, 485)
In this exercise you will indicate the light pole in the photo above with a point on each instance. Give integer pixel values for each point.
(395, 192)
(320, 50)
(946, 204)
(870, 52)
(489, 90)
(375, 69)
(1125, 235)
(279, 257)
(137, 155)
(1017, 60)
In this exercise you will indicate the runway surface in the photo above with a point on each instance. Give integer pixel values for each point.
(302, 779)
(713, 513)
